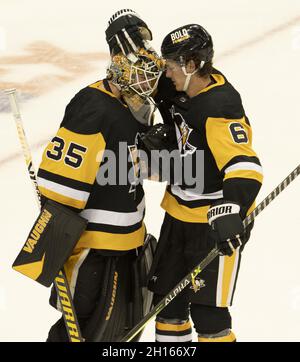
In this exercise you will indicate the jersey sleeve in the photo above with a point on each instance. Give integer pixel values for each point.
(230, 141)
(71, 160)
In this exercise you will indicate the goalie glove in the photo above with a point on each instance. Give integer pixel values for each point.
(226, 226)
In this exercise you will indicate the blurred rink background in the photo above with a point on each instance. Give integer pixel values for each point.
(50, 50)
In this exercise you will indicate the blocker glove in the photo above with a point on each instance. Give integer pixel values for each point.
(226, 226)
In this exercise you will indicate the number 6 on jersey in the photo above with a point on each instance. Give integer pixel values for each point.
(238, 133)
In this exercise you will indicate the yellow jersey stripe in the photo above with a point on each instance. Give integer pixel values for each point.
(65, 200)
(109, 241)
(184, 213)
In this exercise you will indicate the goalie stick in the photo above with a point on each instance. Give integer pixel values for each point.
(60, 282)
(208, 259)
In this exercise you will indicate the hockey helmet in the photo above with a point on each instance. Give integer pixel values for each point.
(188, 41)
(126, 32)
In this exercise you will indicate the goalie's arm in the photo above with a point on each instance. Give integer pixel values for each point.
(72, 159)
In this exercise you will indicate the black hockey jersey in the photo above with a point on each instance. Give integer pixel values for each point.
(91, 166)
(215, 123)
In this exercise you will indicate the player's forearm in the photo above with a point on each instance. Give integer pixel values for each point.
(241, 191)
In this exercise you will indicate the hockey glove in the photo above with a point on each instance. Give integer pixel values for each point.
(226, 226)
(160, 137)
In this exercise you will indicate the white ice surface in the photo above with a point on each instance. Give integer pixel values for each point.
(258, 48)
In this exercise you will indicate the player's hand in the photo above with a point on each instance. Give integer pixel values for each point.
(226, 226)
(160, 137)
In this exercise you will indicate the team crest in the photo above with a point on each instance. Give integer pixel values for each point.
(183, 132)
(197, 284)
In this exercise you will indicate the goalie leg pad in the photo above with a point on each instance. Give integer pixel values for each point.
(110, 295)
(50, 242)
(127, 299)
(88, 278)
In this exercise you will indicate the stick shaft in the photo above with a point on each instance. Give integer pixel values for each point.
(208, 259)
(23, 141)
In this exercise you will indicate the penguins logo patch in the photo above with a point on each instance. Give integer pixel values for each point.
(197, 284)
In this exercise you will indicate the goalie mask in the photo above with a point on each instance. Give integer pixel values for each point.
(139, 74)
(136, 78)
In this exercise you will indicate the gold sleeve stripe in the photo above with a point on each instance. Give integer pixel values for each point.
(221, 143)
(184, 213)
(109, 241)
(173, 327)
(254, 175)
(230, 338)
(65, 200)
(91, 159)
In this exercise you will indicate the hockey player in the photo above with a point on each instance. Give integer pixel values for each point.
(207, 114)
(83, 169)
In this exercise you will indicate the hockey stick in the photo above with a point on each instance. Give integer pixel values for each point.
(209, 258)
(60, 282)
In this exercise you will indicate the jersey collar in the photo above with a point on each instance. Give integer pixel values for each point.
(219, 80)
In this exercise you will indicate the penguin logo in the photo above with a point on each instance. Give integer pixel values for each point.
(183, 133)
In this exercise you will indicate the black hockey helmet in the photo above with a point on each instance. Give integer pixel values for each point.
(188, 41)
(126, 31)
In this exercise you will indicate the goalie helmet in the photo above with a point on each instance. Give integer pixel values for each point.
(137, 79)
(188, 41)
(126, 32)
